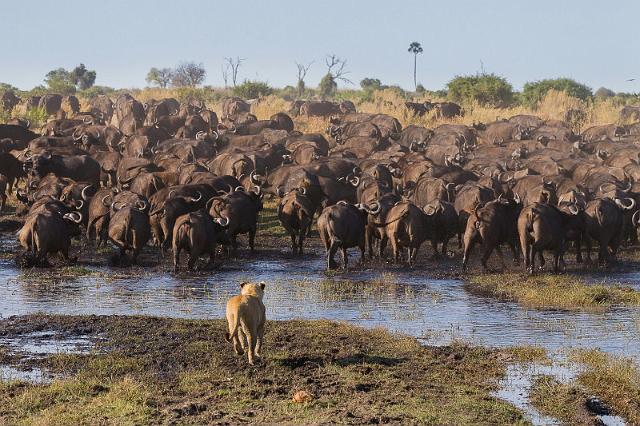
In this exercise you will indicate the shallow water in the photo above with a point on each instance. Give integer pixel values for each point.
(437, 311)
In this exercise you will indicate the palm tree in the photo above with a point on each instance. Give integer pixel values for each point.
(415, 48)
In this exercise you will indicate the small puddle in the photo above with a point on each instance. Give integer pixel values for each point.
(515, 388)
(46, 343)
(34, 375)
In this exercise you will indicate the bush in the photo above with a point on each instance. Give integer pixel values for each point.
(483, 89)
(328, 86)
(252, 89)
(371, 84)
(534, 92)
(603, 92)
(94, 91)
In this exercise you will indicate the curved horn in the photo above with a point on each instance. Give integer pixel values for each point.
(75, 135)
(79, 204)
(200, 135)
(195, 200)
(429, 210)
(375, 210)
(141, 205)
(104, 201)
(239, 188)
(632, 203)
(516, 198)
(574, 209)
(74, 217)
(222, 221)
(635, 219)
(83, 194)
(355, 181)
(302, 190)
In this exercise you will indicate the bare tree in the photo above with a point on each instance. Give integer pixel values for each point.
(336, 68)
(234, 65)
(225, 74)
(302, 73)
(188, 74)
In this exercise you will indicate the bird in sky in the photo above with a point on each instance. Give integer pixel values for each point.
(631, 79)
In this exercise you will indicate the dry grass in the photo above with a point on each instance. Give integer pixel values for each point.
(562, 401)
(391, 102)
(614, 379)
(547, 291)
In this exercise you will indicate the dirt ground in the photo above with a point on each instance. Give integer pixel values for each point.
(167, 371)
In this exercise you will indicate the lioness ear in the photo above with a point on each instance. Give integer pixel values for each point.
(262, 284)
(243, 284)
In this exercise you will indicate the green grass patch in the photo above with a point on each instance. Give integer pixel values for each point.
(548, 291)
(268, 221)
(614, 379)
(562, 401)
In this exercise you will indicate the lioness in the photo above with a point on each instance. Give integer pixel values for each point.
(246, 316)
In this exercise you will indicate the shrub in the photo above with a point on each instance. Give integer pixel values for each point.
(603, 92)
(534, 92)
(328, 86)
(252, 89)
(94, 91)
(483, 89)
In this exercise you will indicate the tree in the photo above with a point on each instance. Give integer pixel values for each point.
(225, 74)
(252, 89)
(59, 81)
(82, 78)
(371, 84)
(416, 49)
(534, 92)
(188, 74)
(485, 89)
(335, 71)
(233, 65)
(302, 73)
(603, 92)
(159, 76)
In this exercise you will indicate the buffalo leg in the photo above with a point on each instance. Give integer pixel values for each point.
(192, 261)
(176, 259)
(300, 240)
(333, 248)
(383, 245)
(345, 258)
(486, 253)
(293, 243)
(467, 251)
(252, 238)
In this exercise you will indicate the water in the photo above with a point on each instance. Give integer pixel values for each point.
(437, 311)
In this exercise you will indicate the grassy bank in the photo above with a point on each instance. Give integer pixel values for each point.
(548, 291)
(151, 371)
(614, 379)
(566, 402)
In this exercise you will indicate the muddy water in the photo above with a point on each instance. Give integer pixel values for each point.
(437, 311)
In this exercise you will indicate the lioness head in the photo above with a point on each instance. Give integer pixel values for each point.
(252, 289)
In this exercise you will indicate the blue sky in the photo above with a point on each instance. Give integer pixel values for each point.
(595, 42)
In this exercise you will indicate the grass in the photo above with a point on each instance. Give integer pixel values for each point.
(614, 379)
(268, 221)
(562, 401)
(172, 371)
(388, 101)
(547, 291)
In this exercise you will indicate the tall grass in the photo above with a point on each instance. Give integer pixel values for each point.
(389, 101)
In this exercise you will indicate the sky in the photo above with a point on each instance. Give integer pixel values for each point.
(594, 42)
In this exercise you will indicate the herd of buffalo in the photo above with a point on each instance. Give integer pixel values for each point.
(183, 178)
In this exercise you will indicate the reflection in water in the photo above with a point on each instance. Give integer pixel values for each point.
(434, 310)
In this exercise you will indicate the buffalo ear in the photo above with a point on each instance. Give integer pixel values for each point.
(262, 284)
(242, 284)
